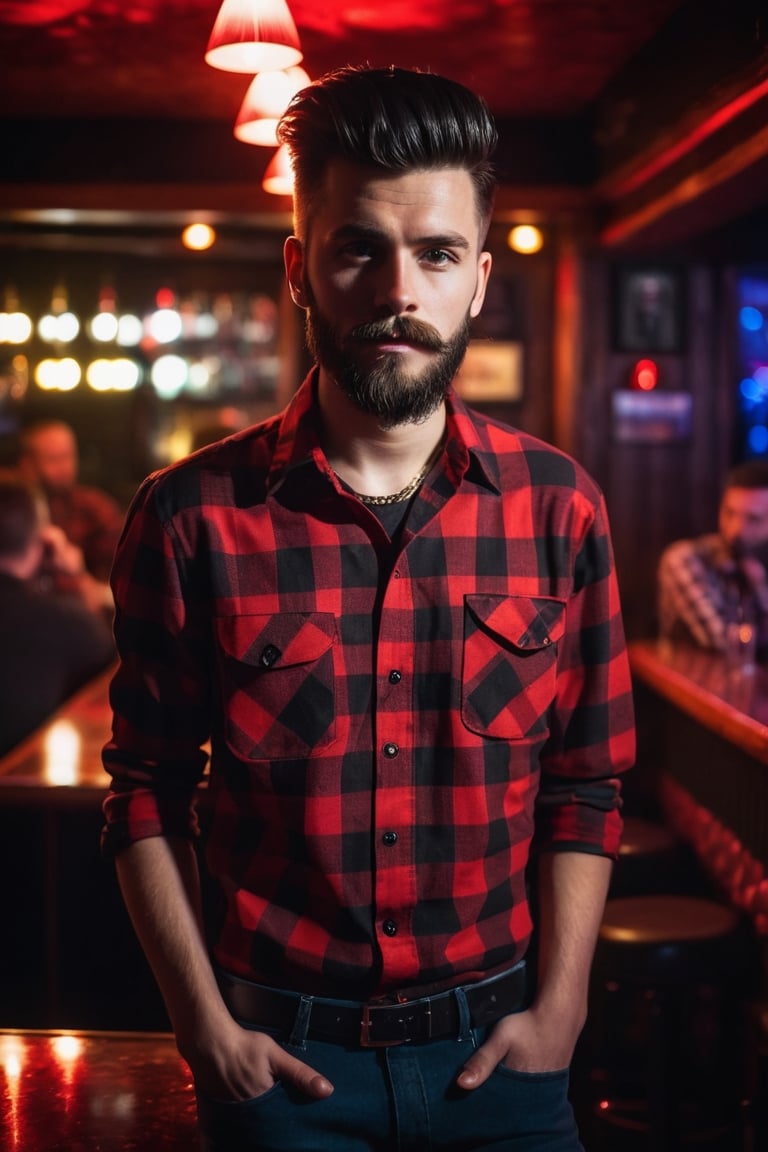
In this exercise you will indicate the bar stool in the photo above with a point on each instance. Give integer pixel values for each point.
(665, 1032)
(652, 859)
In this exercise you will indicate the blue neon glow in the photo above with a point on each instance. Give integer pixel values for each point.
(758, 439)
(751, 318)
(750, 390)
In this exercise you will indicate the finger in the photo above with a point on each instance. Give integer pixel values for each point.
(306, 1079)
(479, 1067)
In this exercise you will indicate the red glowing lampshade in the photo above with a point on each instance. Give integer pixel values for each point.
(267, 98)
(253, 36)
(278, 177)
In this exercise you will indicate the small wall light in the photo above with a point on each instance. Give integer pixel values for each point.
(198, 237)
(525, 238)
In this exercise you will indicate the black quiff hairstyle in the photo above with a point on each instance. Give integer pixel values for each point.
(393, 119)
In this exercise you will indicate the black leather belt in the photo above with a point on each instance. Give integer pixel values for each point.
(377, 1024)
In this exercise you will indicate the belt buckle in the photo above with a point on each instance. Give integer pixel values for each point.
(366, 1041)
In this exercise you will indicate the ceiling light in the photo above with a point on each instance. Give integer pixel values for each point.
(278, 177)
(253, 36)
(267, 98)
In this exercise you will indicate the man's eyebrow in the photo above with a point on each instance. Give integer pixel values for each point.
(371, 232)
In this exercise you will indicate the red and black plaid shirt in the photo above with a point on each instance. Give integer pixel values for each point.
(93, 521)
(390, 734)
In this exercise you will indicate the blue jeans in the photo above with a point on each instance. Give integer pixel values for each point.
(399, 1099)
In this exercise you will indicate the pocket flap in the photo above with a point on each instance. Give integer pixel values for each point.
(525, 622)
(276, 641)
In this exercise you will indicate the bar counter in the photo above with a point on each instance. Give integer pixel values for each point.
(74, 961)
(703, 742)
(62, 758)
(731, 703)
(82, 1091)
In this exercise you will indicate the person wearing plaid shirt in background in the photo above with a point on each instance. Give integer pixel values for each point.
(398, 623)
(89, 518)
(706, 582)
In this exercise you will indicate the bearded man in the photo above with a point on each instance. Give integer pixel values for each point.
(397, 623)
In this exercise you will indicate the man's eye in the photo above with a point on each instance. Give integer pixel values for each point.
(358, 250)
(438, 256)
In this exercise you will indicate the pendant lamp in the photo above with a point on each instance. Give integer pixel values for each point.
(267, 98)
(253, 36)
(278, 178)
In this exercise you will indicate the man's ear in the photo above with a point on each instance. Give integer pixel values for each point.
(293, 257)
(483, 272)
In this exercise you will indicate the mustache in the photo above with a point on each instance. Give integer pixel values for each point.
(403, 328)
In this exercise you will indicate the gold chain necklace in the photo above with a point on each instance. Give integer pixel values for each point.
(395, 497)
(404, 493)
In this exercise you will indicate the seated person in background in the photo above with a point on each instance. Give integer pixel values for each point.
(702, 580)
(89, 518)
(49, 644)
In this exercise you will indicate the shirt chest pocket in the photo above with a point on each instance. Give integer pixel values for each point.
(277, 681)
(509, 674)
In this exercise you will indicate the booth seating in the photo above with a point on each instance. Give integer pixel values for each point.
(670, 982)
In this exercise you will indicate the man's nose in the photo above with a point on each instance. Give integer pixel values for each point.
(396, 288)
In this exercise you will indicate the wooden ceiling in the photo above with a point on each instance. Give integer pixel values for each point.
(652, 111)
(144, 58)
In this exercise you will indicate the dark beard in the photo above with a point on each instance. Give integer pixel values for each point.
(384, 390)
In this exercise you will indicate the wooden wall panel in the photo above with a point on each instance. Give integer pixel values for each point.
(655, 492)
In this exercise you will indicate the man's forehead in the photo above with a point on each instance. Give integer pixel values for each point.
(357, 188)
(55, 439)
(737, 497)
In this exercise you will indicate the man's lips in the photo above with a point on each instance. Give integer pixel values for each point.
(392, 344)
(396, 345)
(404, 336)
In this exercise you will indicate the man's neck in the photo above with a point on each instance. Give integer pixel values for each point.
(370, 459)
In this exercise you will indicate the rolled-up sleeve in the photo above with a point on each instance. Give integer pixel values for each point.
(592, 734)
(160, 692)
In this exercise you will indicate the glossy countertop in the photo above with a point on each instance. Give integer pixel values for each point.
(731, 702)
(65, 751)
(60, 763)
(94, 1092)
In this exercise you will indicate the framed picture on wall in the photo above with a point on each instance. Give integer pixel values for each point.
(648, 308)
(492, 370)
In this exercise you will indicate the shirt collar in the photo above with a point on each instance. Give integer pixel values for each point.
(469, 452)
(298, 442)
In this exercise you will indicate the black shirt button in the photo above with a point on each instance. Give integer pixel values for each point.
(395, 677)
(390, 928)
(269, 655)
(390, 838)
(390, 751)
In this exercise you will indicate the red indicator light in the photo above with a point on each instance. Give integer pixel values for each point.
(645, 375)
(165, 298)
